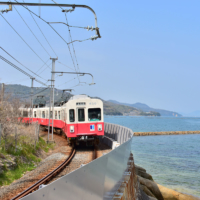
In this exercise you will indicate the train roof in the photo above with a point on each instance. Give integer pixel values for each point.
(81, 96)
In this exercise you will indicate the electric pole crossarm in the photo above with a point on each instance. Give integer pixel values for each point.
(81, 74)
(55, 5)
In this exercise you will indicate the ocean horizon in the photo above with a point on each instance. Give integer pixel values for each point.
(172, 160)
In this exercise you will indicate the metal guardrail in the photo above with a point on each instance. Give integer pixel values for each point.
(119, 133)
(99, 180)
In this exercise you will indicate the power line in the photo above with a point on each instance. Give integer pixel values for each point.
(32, 32)
(19, 69)
(22, 39)
(46, 68)
(72, 43)
(57, 33)
(42, 32)
(42, 20)
(35, 93)
(21, 64)
(54, 30)
(69, 45)
(65, 65)
(43, 65)
(66, 82)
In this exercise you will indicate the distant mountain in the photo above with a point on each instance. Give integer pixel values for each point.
(116, 109)
(42, 96)
(146, 108)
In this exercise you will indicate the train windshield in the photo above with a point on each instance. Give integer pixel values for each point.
(94, 114)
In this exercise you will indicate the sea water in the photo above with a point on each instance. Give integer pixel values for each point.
(172, 160)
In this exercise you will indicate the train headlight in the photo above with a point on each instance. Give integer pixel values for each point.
(71, 129)
(99, 127)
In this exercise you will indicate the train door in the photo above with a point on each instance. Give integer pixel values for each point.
(80, 120)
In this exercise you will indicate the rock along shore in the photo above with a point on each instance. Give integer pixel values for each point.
(166, 133)
(154, 191)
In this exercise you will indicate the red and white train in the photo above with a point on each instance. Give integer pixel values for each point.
(81, 118)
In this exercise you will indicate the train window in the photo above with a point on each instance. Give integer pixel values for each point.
(71, 115)
(51, 114)
(35, 114)
(81, 115)
(94, 114)
(25, 113)
(47, 114)
(43, 114)
(58, 114)
(55, 114)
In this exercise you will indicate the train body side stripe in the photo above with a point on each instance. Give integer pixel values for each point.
(80, 129)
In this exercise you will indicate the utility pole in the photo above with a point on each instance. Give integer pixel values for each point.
(52, 97)
(32, 79)
(2, 91)
(49, 114)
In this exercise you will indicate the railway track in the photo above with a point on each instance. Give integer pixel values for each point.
(52, 175)
(47, 178)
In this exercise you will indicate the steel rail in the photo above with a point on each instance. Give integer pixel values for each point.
(56, 5)
(46, 178)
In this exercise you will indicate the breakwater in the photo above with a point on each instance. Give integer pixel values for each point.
(166, 133)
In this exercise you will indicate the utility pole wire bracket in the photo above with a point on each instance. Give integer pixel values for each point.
(56, 5)
(6, 10)
(69, 10)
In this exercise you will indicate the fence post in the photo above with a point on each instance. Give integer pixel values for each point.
(15, 139)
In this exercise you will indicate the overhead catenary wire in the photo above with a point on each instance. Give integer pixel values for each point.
(66, 82)
(52, 28)
(43, 65)
(35, 93)
(66, 65)
(45, 69)
(42, 32)
(32, 32)
(21, 63)
(19, 69)
(22, 39)
(42, 20)
(72, 45)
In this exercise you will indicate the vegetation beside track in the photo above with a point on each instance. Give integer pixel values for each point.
(16, 158)
(20, 145)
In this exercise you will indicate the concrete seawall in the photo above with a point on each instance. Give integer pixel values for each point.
(166, 133)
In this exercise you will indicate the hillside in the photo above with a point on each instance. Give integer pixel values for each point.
(146, 108)
(24, 94)
(42, 95)
(116, 109)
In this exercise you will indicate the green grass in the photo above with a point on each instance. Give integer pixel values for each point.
(25, 156)
(10, 175)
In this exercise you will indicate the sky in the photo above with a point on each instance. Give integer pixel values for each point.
(148, 53)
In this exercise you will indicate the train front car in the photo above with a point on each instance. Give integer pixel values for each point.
(85, 121)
